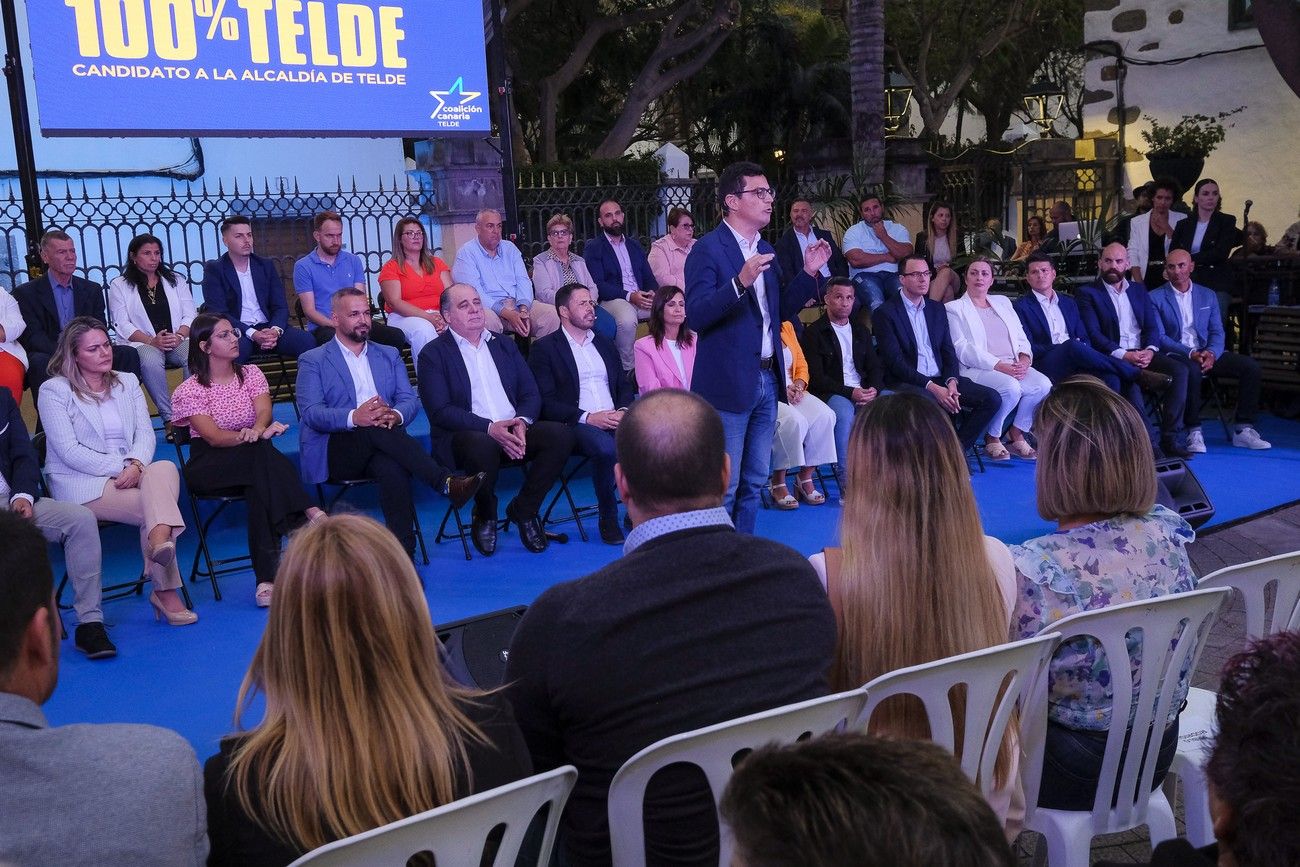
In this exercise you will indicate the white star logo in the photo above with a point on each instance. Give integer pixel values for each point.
(458, 88)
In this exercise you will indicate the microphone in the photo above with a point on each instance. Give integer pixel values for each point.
(1245, 215)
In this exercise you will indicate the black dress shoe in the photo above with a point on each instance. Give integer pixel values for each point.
(1149, 380)
(1172, 448)
(531, 532)
(461, 489)
(92, 640)
(484, 532)
(610, 533)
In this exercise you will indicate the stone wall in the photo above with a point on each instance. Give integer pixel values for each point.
(1258, 159)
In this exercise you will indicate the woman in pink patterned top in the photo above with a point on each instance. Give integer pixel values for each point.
(227, 408)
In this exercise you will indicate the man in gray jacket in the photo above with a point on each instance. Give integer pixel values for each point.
(79, 794)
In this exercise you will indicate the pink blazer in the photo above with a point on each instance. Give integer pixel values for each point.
(656, 367)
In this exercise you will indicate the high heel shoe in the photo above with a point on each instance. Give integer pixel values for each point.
(184, 617)
(785, 503)
(809, 494)
(163, 555)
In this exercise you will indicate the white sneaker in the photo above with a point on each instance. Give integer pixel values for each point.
(1195, 441)
(1249, 438)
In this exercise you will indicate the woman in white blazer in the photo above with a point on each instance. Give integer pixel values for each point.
(993, 350)
(13, 358)
(1144, 260)
(152, 307)
(100, 454)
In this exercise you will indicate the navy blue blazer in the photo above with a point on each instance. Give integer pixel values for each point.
(556, 372)
(221, 292)
(898, 350)
(36, 304)
(728, 326)
(1221, 236)
(602, 262)
(18, 462)
(1035, 321)
(790, 254)
(445, 391)
(1102, 322)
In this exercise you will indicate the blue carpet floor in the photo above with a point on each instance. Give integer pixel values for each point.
(187, 678)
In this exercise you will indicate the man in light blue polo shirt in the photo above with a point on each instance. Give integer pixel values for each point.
(874, 248)
(495, 267)
(327, 269)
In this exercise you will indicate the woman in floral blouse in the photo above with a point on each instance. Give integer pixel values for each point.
(1113, 544)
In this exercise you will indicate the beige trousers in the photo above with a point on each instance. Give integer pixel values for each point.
(148, 504)
(545, 319)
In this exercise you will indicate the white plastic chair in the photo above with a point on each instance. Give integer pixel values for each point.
(1170, 633)
(712, 749)
(995, 680)
(1255, 580)
(456, 833)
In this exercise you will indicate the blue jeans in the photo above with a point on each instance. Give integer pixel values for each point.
(749, 444)
(845, 413)
(873, 288)
(1072, 765)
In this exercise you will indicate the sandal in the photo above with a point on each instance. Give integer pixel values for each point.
(784, 503)
(809, 494)
(996, 451)
(1022, 449)
(263, 594)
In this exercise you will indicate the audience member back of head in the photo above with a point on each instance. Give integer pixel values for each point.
(695, 625)
(859, 800)
(79, 794)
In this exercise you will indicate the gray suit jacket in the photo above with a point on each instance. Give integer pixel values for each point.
(97, 794)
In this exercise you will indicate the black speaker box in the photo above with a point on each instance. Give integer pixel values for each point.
(475, 649)
(1177, 488)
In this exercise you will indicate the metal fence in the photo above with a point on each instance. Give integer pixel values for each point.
(102, 222)
(1088, 186)
(978, 185)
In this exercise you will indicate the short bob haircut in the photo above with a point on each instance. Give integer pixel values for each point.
(1094, 457)
(559, 220)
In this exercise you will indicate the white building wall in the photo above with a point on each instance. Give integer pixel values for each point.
(1257, 161)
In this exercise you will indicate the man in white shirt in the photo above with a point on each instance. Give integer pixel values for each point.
(484, 408)
(584, 386)
(1190, 312)
(356, 402)
(873, 249)
(246, 289)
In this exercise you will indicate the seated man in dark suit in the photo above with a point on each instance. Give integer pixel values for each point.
(72, 525)
(791, 245)
(1121, 322)
(1060, 342)
(484, 407)
(70, 792)
(843, 369)
(695, 625)
(918, 354)
(583, 386)
(245, 288)
(624, 280)
(50, 302)
(356, 402)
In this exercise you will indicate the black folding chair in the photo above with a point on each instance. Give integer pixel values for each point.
(223, 497)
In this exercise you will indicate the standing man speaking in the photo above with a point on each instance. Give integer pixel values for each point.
(736, 298)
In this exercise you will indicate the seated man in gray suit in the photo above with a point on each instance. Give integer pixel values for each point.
(79, 794)
(356, 401)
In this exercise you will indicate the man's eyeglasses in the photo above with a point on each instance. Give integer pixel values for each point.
(764, 194)
(926, 274)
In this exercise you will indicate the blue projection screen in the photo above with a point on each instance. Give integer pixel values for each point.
(376, 68)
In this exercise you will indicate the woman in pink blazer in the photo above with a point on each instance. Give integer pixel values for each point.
(665, 357)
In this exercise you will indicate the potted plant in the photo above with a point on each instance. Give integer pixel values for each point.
(1178, 151)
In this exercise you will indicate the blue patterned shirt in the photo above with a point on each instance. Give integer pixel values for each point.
(1109, 562)
(665, 524)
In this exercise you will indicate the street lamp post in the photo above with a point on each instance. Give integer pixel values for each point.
(1044, 101)
(898, 99)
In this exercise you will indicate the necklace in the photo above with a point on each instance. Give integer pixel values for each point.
(152, 292)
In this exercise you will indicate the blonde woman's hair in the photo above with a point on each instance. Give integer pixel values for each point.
(64, 360)
(361, 726)
(427, 264)
(1094, 455)
(915, 583)
(559, 220)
